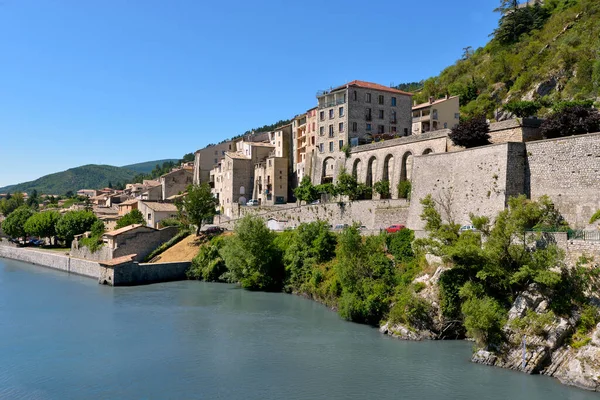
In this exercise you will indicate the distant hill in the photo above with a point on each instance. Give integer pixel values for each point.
(90, 176)
(148, 166)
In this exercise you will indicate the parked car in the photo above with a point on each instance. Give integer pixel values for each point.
(36, 242)
(340, 227)
(316, 202)
(213, 230)
(465, 228)
(394, 228)
(252, 202)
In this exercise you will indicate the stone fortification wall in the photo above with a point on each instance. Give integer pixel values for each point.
(477, 181)
(374, 214)
(55, 261)
(82, 252)
(132, 273)
(568, 171)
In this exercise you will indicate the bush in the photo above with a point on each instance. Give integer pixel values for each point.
(570, 120)
(411, 310)
(306, 191)
(471, 133)
(399, 244)
(523, 109)
(484, 319)
(383, 188)
(131, 218)
(208, 265)
(404, 188)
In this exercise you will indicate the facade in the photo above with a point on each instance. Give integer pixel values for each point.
(356, 113)
(88, 192)
(435, 115)
(271, 181)
(128, 206)
(152, 193)
(176, 182)
(207, 158)
(155, 212)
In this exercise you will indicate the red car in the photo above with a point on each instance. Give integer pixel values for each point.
(394, 228)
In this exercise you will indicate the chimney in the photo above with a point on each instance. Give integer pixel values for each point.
(431, 99)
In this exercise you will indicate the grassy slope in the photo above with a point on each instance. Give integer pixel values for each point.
(85, 177)
(508, 72)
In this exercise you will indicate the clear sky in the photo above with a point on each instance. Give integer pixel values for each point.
(119, 82)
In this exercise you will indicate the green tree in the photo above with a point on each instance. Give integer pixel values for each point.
(252, 257)
(42, 224)
(306, 191)
(11, 203)
(74, 223)
(131, 218)
(570, 120)
(383, 188)
(523, 109)
(347, 186)
(199, 205)
(14, 224)
(404, 188)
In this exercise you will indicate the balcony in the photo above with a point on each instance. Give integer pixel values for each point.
(423, 118)
(333, 103)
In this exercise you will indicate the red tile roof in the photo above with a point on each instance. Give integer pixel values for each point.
(374, 86)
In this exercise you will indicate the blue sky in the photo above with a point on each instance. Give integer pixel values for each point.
(118, 82)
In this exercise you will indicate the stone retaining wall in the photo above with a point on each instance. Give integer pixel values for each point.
(59, 262)
(132, 273)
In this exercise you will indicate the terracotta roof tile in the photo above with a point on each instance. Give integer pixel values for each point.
(374, 86)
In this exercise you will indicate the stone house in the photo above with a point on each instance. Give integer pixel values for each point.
(435, 114)
(128, 206)
(88, 192)
(175, 182)
(207, 158)
(154, 212)
(152, 193)
(354, 114)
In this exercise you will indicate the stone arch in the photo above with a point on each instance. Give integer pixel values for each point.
(357, 168)
(388, 168)
(328, 170)
(427, 151)
(371, 170)
(406, 166)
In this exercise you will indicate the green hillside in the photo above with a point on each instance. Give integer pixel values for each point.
(546, 52)
(148, 166)
(85, 177)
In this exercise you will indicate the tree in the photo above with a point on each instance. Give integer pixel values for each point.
(383, 188)
(189, 157)
(11, 203)
(252, 257)
(131, 218)
(74, 223)
(404, 188)
(14, 224)
(42, 224)
(306, 191)
(523, 109)
(347, 185)
(570, 120)
(471, 133)
(199, 205)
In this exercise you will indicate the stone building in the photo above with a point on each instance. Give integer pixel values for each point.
(128, 206)
(175, 182)
(353, 114)
(154, 212)
(271, 181)
(304, 131)
(207, 158)
(435, 114)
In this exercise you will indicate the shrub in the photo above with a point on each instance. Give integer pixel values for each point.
(399, 244)
(306, 191)
(404, 188)
(383, 188)
(484, 319)
(595, 217)
(411, 310)
(570, 120)
(208, 265)
(131, 218)
(523, 109)
(471, 133)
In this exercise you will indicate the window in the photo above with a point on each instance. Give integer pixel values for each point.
(330, 130)
(445, 125)
(456, 116)
(380, 114)
(321, 147)
(380, 129)
(354, 127)
(368, 97)
(393, 119)
(381, 99)
(341, 144)
(341, 127)
(368, 116)
(393, 129)
(270, 161)
(321, 130)
(223, 152)
(279, 133)
(354, 141)
(354, 96)
(368, 127)
(216, 152)
(313, 127)
(331, 114)
(393, 102)
(149, 217)
(216, 161)
(341, 111)
(330, 147)
(322, 115)
(405, 131)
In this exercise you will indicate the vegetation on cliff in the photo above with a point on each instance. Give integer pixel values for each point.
(547, 52)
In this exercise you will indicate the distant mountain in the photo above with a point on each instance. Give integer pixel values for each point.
(90, 176)
(148, 166)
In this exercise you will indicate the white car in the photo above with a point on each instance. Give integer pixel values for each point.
(252, 202)
(465, 228)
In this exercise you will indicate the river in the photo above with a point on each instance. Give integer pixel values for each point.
(66, 337)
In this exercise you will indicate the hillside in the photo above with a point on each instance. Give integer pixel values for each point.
(547, 52)
(148, 166)
(85, 177)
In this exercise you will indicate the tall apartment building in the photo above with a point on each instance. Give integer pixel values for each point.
(356, 113)
(305, 129)
(272, 175)
(435, 114)
(207, 158)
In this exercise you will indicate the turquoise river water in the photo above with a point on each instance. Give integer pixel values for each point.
(66, 337)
